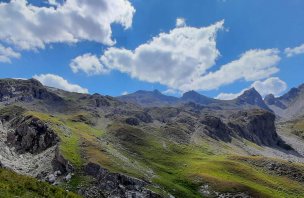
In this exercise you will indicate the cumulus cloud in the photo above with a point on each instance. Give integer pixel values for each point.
(55, 81)
(174, 59)
(180, 22)
(252, 65)
(294, 51)
(31, 27)
(181, 58)
(88, 64)
(273, 85)
(7, 53)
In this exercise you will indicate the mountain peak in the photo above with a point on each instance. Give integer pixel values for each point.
(252, 97)
(191, 94)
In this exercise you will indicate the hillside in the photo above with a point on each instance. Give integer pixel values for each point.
(100, 146)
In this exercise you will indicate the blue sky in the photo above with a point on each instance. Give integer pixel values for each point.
(249, 29)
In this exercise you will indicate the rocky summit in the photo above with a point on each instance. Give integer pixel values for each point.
(149, 145)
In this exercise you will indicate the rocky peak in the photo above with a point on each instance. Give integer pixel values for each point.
(251, 97)
(269, 99)
(149, 98)
(193, 96)
(272, 100)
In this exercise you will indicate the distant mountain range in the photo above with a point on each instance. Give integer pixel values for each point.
(289, 105)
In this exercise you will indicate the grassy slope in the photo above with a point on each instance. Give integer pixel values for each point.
(298, 127)
(14, 185)
(178, 169)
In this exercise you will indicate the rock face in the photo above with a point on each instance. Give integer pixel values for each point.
(31, 135)
(216, 128)
(114, 185)
(25, 90)
(256, 126)
(29, 146)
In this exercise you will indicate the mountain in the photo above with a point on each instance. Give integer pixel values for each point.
(149, 98)
(249, 99)
(195, 97)
(101, 146)
(288, 106)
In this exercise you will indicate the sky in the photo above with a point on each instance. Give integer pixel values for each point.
(113, 47)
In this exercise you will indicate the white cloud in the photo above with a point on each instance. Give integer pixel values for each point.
(180, 22)
(179, 59)
(174, 59)
(7, 53)
(172, 92)
(55, 81)
(252, 65)
(294, 51)
(88, 64)
(124, 93)
(229, 96)
(273, 85)
(31, 27)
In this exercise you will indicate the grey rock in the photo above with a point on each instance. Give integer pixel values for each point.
(132, 121)
(31, 135)
(51, 178)
(115, 184)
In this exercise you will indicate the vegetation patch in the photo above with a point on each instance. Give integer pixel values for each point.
(14, 185)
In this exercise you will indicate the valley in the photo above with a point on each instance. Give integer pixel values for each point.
(147, 144)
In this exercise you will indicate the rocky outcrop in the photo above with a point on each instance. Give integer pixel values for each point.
(216, 128)
(114, 185)
(29, 146)
(279, 168)
(132, 121)
(31, 135)
(25, 91)
(257, 126)
(61, 164)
